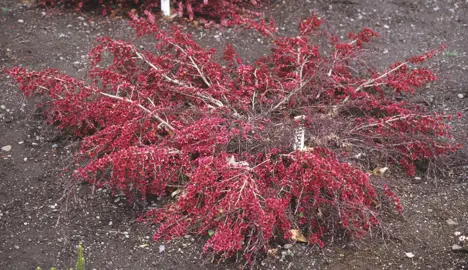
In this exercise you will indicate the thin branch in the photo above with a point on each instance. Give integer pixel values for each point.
(179, 83)
(153, 114)
(371, 81)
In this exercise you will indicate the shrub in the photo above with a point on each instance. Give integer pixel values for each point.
(224, 11)
(215, 136)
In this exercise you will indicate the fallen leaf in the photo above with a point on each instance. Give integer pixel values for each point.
(210, 232)
(176, 192)
(379, 171)
(297, 235)
(272, 252)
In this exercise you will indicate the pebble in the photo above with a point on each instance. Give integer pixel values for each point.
(162, 248)
(287, 246)
(451, 222)
(457, 248)
(6, 148)
(409, 254)
(386, 26)
(54, 145)
(25, 159)
(461, 96)
(21, 21)
(3, 107)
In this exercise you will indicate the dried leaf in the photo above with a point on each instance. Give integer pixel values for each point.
(379, 171)
(297, 235)
(176, 192)
(211, 232)
(272, 252)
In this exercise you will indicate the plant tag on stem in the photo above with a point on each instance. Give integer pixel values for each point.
(166, 7)
(299, 133)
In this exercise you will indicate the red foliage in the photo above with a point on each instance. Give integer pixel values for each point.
(224, 11)
(217, 140)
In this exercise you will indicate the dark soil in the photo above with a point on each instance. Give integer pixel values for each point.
(40, 226)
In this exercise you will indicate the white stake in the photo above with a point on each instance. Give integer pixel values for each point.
(299, 133)
(166, 7)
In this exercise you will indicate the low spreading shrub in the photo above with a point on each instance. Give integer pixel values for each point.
(223, 11)
(216, 136)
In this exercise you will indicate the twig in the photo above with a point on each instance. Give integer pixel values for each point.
(153, 114)
(179, 83)
(288, 97)
(393, 119)
(371, 81)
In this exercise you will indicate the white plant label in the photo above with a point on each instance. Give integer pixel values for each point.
(166, 7)
(299, 133)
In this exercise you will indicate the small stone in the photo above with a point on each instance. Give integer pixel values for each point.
(110, 223)
(287, 246)
(81, 18)
(21, 142)
(451, 222)
(25, 159)
(117, 200)
(54, 145)
(457, 248)
(457, 233)
(162, 248)
(98, 217)
(6, 148)
(21, 21)
(3, 107)
(461, 96)
(409, 254)
(386, 26)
